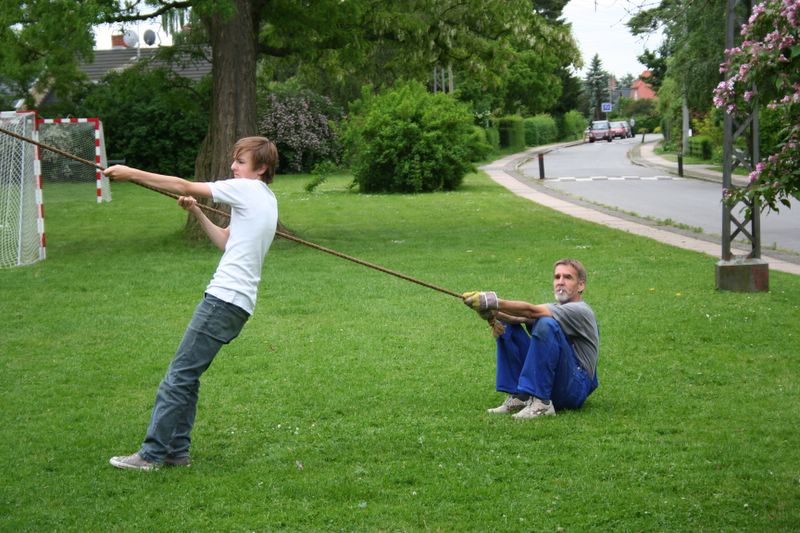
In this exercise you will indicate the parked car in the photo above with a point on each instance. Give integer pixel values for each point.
(619, 130)
(600, 130)
(629, 128)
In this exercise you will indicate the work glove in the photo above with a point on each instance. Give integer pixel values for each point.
(497, 327)
(480, 301)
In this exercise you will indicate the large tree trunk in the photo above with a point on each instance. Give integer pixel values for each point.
(234, 40)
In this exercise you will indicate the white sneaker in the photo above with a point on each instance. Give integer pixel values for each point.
(133, 462)
(510, 405)
(535, 408)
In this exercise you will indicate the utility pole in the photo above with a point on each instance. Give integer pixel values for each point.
(747, 273)
(685, 125)
(685, 104)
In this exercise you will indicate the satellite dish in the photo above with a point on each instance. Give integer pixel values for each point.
(149, 37)
(130, 39)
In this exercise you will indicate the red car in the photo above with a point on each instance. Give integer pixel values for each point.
(618, 129)
(599, 130)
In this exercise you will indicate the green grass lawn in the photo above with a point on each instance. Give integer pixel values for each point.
(356, 401)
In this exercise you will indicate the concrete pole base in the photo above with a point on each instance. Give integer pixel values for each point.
(743, 275)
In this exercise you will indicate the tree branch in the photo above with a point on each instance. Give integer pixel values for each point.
(178, 4)
(276, 52)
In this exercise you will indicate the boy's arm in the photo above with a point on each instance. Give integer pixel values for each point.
(217, 235)
(171, 184)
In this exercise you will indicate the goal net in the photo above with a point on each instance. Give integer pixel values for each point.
(21, 213)
(82, 137)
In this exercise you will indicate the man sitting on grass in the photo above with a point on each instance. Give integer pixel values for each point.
(555, 367)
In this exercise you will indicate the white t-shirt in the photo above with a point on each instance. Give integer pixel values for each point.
(254, 218)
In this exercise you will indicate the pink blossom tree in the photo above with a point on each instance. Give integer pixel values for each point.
(768, 61)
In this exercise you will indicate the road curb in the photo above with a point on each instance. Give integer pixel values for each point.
(635, 156)
(503, 170)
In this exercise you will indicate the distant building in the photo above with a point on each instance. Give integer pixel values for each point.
(641, 90)
(120, 57)
(616, 92)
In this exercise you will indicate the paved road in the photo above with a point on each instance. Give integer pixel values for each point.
(601, 173)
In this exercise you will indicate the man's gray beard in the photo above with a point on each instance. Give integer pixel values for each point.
(561, 296)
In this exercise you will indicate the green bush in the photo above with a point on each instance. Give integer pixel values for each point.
(531, 132)
(408, 140)
(573, 124)
(151, 119)
(479, 147)
(512, 132)
(493, 137)
(641, 114)
(540, 129)
(700, 146)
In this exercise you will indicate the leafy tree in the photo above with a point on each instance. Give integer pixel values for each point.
(656, 63)
(571, 93)
(692, 49)
(504, 54)
(626, 81)
(533, 85)
(42, 42)
(669, 108)
(549, 9)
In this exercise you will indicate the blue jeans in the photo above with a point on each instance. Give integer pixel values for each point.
(213, 324)
(543, 365)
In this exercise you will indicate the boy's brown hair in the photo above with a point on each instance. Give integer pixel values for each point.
(263, 151)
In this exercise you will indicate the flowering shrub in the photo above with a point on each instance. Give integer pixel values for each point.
(301, 123)
(409, 140)
(769, 60)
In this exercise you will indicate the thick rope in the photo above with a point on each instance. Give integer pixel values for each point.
(210, 209)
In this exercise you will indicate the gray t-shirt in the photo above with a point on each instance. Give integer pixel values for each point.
(579, 324)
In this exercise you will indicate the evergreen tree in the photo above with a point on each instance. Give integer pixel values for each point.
(596, 87)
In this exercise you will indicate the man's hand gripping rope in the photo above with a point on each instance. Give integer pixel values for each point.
(486, 305)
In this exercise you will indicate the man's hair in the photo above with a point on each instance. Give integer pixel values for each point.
(263, 152)
(574, 263)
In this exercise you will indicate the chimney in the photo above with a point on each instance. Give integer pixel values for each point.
(117, 41)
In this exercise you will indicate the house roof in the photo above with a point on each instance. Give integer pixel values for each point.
(116, 59)
(640, 89)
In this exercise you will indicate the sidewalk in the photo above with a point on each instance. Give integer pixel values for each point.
(501, 172)
(643, 154)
